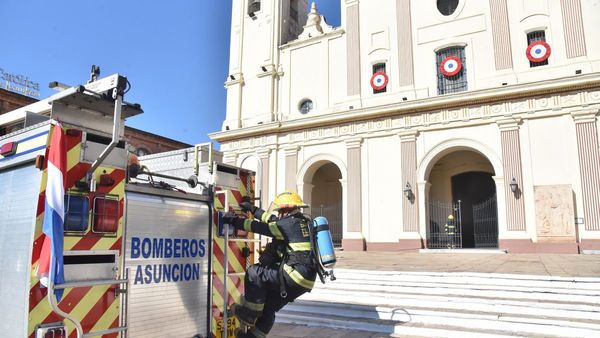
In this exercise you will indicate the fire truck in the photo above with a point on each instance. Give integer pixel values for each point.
(143, 253)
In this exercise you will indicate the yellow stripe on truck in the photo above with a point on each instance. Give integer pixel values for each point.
(107, 318)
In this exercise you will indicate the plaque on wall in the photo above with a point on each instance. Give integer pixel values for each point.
(554, 212)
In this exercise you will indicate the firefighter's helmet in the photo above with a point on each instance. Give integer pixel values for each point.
(451, 217)
(288, 200)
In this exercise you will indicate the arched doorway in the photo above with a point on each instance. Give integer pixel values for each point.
(479, 219)
(462, 206)
(326, 197)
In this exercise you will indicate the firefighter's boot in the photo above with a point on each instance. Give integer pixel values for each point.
(243, 332)
(246, 316)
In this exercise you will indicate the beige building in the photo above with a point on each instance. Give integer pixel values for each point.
(412, 111)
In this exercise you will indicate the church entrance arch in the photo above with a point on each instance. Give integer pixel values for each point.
(323, 190)
(460, 202)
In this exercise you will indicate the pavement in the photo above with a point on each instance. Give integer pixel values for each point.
(481, 261)
(564, 265)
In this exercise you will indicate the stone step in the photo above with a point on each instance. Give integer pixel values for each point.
(444, 289)
(526, 323)
(395, 329)
(488, 305)
(451, 304)
(577, 283)
(354, 284)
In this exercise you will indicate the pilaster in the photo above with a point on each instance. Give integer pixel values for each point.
(589, 166)
(511, 160)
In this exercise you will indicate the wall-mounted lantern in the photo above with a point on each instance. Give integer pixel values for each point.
(514, 186)
(408, 191)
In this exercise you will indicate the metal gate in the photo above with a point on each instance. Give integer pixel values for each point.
(333, 213)
(485, 223)
(444, 230)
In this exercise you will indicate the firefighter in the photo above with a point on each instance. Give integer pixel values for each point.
(450, 228)
(286, 267)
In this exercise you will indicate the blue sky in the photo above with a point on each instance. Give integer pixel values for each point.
(175, 54)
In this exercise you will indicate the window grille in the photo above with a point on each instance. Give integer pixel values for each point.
(536, 36)
(379, 67)
(455, 83)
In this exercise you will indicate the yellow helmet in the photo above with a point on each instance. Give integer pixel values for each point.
(288, 200)
(451, 217)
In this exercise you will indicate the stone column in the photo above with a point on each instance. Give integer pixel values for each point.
(263, 155)
(501, 34)
(589, 167)
(353, 47)
(353, 238)
(410, 210)
(423, 198)
(405, 43)
(511, 159)
(305, 191)
(291, 167)
(573, 24)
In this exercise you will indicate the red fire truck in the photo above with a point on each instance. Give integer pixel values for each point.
(142, 252)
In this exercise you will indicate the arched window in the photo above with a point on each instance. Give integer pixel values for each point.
(447, 7)
(451, 70)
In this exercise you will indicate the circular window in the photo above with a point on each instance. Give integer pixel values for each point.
(306, 106)
(447, 7)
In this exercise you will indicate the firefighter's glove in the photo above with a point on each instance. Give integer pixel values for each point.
(228, 218)
(248, 207)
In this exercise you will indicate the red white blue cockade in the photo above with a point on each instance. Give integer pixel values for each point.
(451, 66)
(538, 51)
(379, 80)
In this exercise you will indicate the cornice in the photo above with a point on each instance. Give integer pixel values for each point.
(454, 101)
(408, 135)
(263, 153)
(291, 151)
(354, 143)
(508, 123)
(314, 40)
(585, 116)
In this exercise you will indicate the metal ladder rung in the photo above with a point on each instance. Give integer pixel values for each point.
(90, 283)
(244, 240)
(237, 274)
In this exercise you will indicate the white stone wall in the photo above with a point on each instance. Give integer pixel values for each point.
(316, 68)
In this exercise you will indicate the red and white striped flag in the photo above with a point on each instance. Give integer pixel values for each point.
(51, 258)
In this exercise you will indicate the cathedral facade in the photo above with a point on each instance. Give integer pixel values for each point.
(424, 124)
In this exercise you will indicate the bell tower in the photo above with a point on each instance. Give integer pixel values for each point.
(258, 28)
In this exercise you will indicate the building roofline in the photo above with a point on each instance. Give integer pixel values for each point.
(18, 95)
(186, 145)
